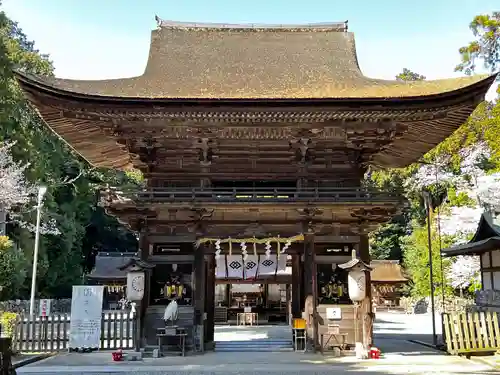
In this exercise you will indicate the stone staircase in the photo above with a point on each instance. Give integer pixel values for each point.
(270, 338)
(259, 345)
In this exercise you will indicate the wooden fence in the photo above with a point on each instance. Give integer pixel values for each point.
(470, 333)
(50, 334)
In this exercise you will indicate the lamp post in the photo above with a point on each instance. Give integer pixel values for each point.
(427, 200)
(41, 192)
(440, 248)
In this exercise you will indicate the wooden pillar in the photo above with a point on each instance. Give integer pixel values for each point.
(210, 300)
(296, 286)
(310, 286)
(227, 294)
(366, 305)
(199, 292)
(143, 305)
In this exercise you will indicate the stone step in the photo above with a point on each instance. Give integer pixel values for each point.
(259, 345)
(261, 348)
(255, 342)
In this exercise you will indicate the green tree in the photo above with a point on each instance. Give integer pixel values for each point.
(72, 184)
(416, 260)
(486, 46)
(407, 75)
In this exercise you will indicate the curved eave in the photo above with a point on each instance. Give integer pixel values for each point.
(87, 139)
(479, 87)
(473, 248)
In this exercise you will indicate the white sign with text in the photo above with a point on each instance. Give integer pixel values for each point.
(333, 313)
(86, 316)
(44, 309)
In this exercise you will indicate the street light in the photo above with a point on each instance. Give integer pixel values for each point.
(41, 192)
(427, 200)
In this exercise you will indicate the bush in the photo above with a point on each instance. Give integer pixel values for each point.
(8, 321)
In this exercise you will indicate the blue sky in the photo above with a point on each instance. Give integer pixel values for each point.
(94, 39)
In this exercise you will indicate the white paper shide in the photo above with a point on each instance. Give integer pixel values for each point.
(86, 317)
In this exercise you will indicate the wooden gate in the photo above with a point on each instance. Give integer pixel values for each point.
(469, 333)
(51, 334)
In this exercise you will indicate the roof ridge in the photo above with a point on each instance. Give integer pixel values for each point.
(320, 26)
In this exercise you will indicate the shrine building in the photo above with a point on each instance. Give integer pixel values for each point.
(253, 141)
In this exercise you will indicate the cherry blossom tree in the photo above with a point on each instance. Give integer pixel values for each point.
(483, 189)
(13, 185)
(464, 272)
(17, 195)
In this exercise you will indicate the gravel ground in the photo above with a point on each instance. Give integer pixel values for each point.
(392, 332)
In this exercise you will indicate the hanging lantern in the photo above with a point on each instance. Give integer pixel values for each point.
(356, 283)
(135, 285)
(356, 279)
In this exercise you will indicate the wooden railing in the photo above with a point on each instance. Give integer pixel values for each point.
(256, 194)
(470, 333)
(51, 334)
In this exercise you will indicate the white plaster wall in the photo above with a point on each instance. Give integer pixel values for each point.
(495, 257)
(487, 281)
(496, 280)
(485, 260)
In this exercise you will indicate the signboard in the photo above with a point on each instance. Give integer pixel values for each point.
(44, 309)
(86, 316)
(333, 313)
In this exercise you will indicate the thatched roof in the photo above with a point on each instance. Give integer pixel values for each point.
(387, 271)
(189, 60)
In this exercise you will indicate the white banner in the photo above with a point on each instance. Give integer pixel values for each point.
(235, 266)
(251, 266)
(282, 264)
(267, 266)
(86, 316)
(220, 267)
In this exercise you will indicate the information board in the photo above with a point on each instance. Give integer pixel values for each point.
(44, 309)
(333, 313)
(86, 317)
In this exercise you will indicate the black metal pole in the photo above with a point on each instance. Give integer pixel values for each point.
(431, 273)
(440, 250)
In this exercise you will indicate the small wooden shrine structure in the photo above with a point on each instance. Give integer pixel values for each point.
(486, 245)
(387, 279)
(253, 141)
(107, 272)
